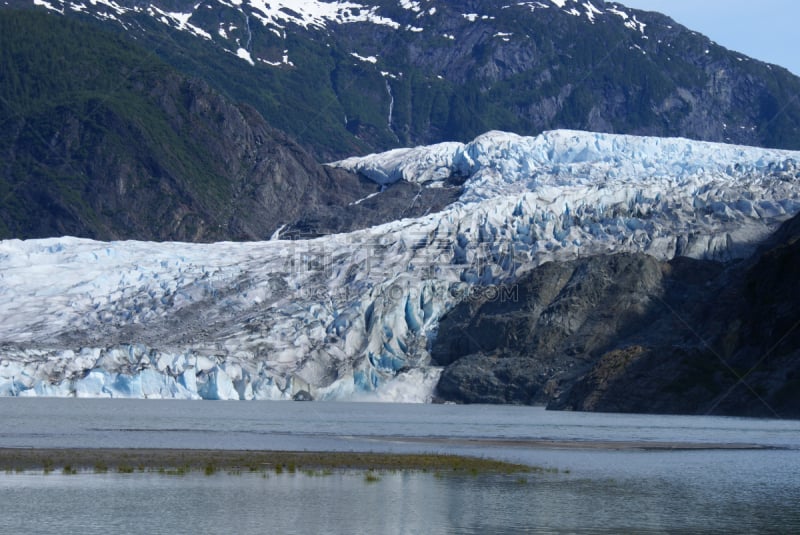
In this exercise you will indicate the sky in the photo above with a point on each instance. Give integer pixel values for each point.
(763, 29)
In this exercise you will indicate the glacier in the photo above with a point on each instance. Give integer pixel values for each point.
(351, 316)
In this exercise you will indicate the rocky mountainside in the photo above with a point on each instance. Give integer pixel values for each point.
(103, 140)
(627, 333)
(349, 78)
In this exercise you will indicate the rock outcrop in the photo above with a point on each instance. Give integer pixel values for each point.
(627, 333)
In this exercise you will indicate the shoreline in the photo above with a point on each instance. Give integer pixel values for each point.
(576, 444)
(180, 461)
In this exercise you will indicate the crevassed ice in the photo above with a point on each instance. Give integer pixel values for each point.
(350, 316)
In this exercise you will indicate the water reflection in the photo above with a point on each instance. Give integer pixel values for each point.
(395, 503)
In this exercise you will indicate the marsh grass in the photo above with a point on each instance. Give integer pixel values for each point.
(68, 470)
(125, 469)
(209, 462)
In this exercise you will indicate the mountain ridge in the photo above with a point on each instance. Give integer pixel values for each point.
(385, 74)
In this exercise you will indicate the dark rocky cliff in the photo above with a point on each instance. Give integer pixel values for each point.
(630, 334)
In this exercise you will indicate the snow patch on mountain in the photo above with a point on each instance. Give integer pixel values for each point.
(47, 5)
(314, 13)
(580, 8)
(411, 5)
(179, 21)
(351, 315)
(245, 55)
(591, 11)
(365, 59)
(279, 16)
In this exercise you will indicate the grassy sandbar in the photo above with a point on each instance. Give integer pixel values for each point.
(175, 461)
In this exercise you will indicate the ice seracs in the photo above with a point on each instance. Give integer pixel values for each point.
(351, 315)
(500, 164)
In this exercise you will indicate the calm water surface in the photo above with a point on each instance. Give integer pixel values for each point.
(600, 489)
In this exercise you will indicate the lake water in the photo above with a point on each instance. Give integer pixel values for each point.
(607, 488)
